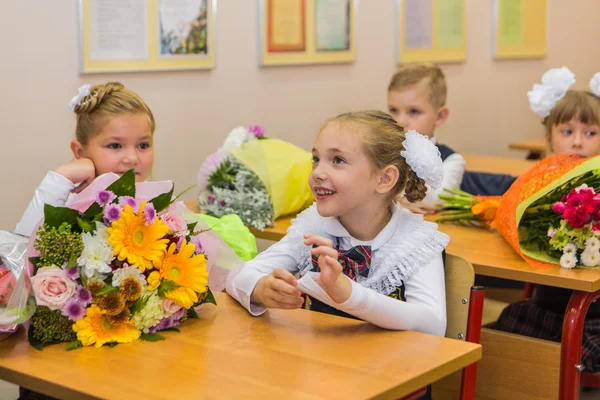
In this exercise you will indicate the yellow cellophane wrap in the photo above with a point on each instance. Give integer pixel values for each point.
(283, 168)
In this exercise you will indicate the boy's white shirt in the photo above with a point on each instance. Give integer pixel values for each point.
(454, 169)
(408, 249)
(55, 190)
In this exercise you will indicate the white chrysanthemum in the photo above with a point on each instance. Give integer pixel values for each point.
(590, 258)
(97, 253)
(101, 231)
(424, 159)
(151, 314)
(125, 272)
(568, 260)
(236, 138)
(595, 84)
(570, 249)
(592, 244)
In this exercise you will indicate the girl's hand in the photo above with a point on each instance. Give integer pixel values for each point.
(420, 208)
(336, 284)
(81, 171)
(278, 290)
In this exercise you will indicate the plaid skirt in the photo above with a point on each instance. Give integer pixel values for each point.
(527, 318)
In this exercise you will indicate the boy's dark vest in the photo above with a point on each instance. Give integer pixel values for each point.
(480, 183)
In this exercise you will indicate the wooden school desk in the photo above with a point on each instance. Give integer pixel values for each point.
(229, 354)
(536, 148)
(491, 255)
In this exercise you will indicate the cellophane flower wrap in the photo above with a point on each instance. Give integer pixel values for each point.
(257, 178)
(119, 264)
(550, 215)
(17, 303)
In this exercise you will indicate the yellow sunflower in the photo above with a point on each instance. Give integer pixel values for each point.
(186, 270)
(98, 328)
(136, 242)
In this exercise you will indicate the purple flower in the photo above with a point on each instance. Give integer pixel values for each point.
(74, 310)
(105, 197)
(149, 213)
(130, 201)
(209, 166)
(222, 203)
(170, 322)
(83, 296)
(257, 130)
(196, 241)
(211, 199)
(112, 213)
(72, 272)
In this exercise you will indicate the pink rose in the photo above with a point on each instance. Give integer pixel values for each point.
(52, 287)
(170, 307)
(175, 223)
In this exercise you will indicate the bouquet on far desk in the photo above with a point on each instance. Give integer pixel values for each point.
(550, 215)
(120, 269)
(258, 179)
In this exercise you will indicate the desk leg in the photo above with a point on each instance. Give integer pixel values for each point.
(570, 349)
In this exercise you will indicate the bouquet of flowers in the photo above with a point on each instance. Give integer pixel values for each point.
(258, 179)
(118, 270)
(550, 215)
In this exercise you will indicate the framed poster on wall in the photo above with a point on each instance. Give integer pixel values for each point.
(431, 30)
(306, 31)
(146, 35)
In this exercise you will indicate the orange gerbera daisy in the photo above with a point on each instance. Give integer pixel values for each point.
(187, 270)
(136, 242)
(98, 328)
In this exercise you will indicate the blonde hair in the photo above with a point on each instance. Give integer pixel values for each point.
(104, 103)
(413, 73)
(382, 139)
(585, 106)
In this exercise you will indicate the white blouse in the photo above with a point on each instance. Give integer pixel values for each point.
(408, 251)
(55, 190)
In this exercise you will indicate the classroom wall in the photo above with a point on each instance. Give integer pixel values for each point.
(196, 109)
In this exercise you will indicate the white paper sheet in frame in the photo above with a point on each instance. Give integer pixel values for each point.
(119, 30)
(332, 25)
(146, 35)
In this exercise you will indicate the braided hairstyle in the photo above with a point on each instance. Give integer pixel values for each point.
(382, 139)
(104, 103)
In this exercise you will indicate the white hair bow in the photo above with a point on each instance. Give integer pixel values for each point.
(424, 158)
(82, 93)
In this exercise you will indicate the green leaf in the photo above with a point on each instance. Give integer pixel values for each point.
(85, 225)
(210, 298)
(162, 201)
(35, 261)
(192, 226)
(72, 261)
(182, 193)
(73, 345)
(139, 304)
(166, 286)
(83, 277)
(173, 328)
(151, 337)
(111, 344)
(35, 343)
(55, 216)
(191, 313)
(124, 186)
(106, 290)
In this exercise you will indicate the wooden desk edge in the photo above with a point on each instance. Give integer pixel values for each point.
(442, 371)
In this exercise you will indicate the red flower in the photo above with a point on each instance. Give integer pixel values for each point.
(558, 207)
(577, 217)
